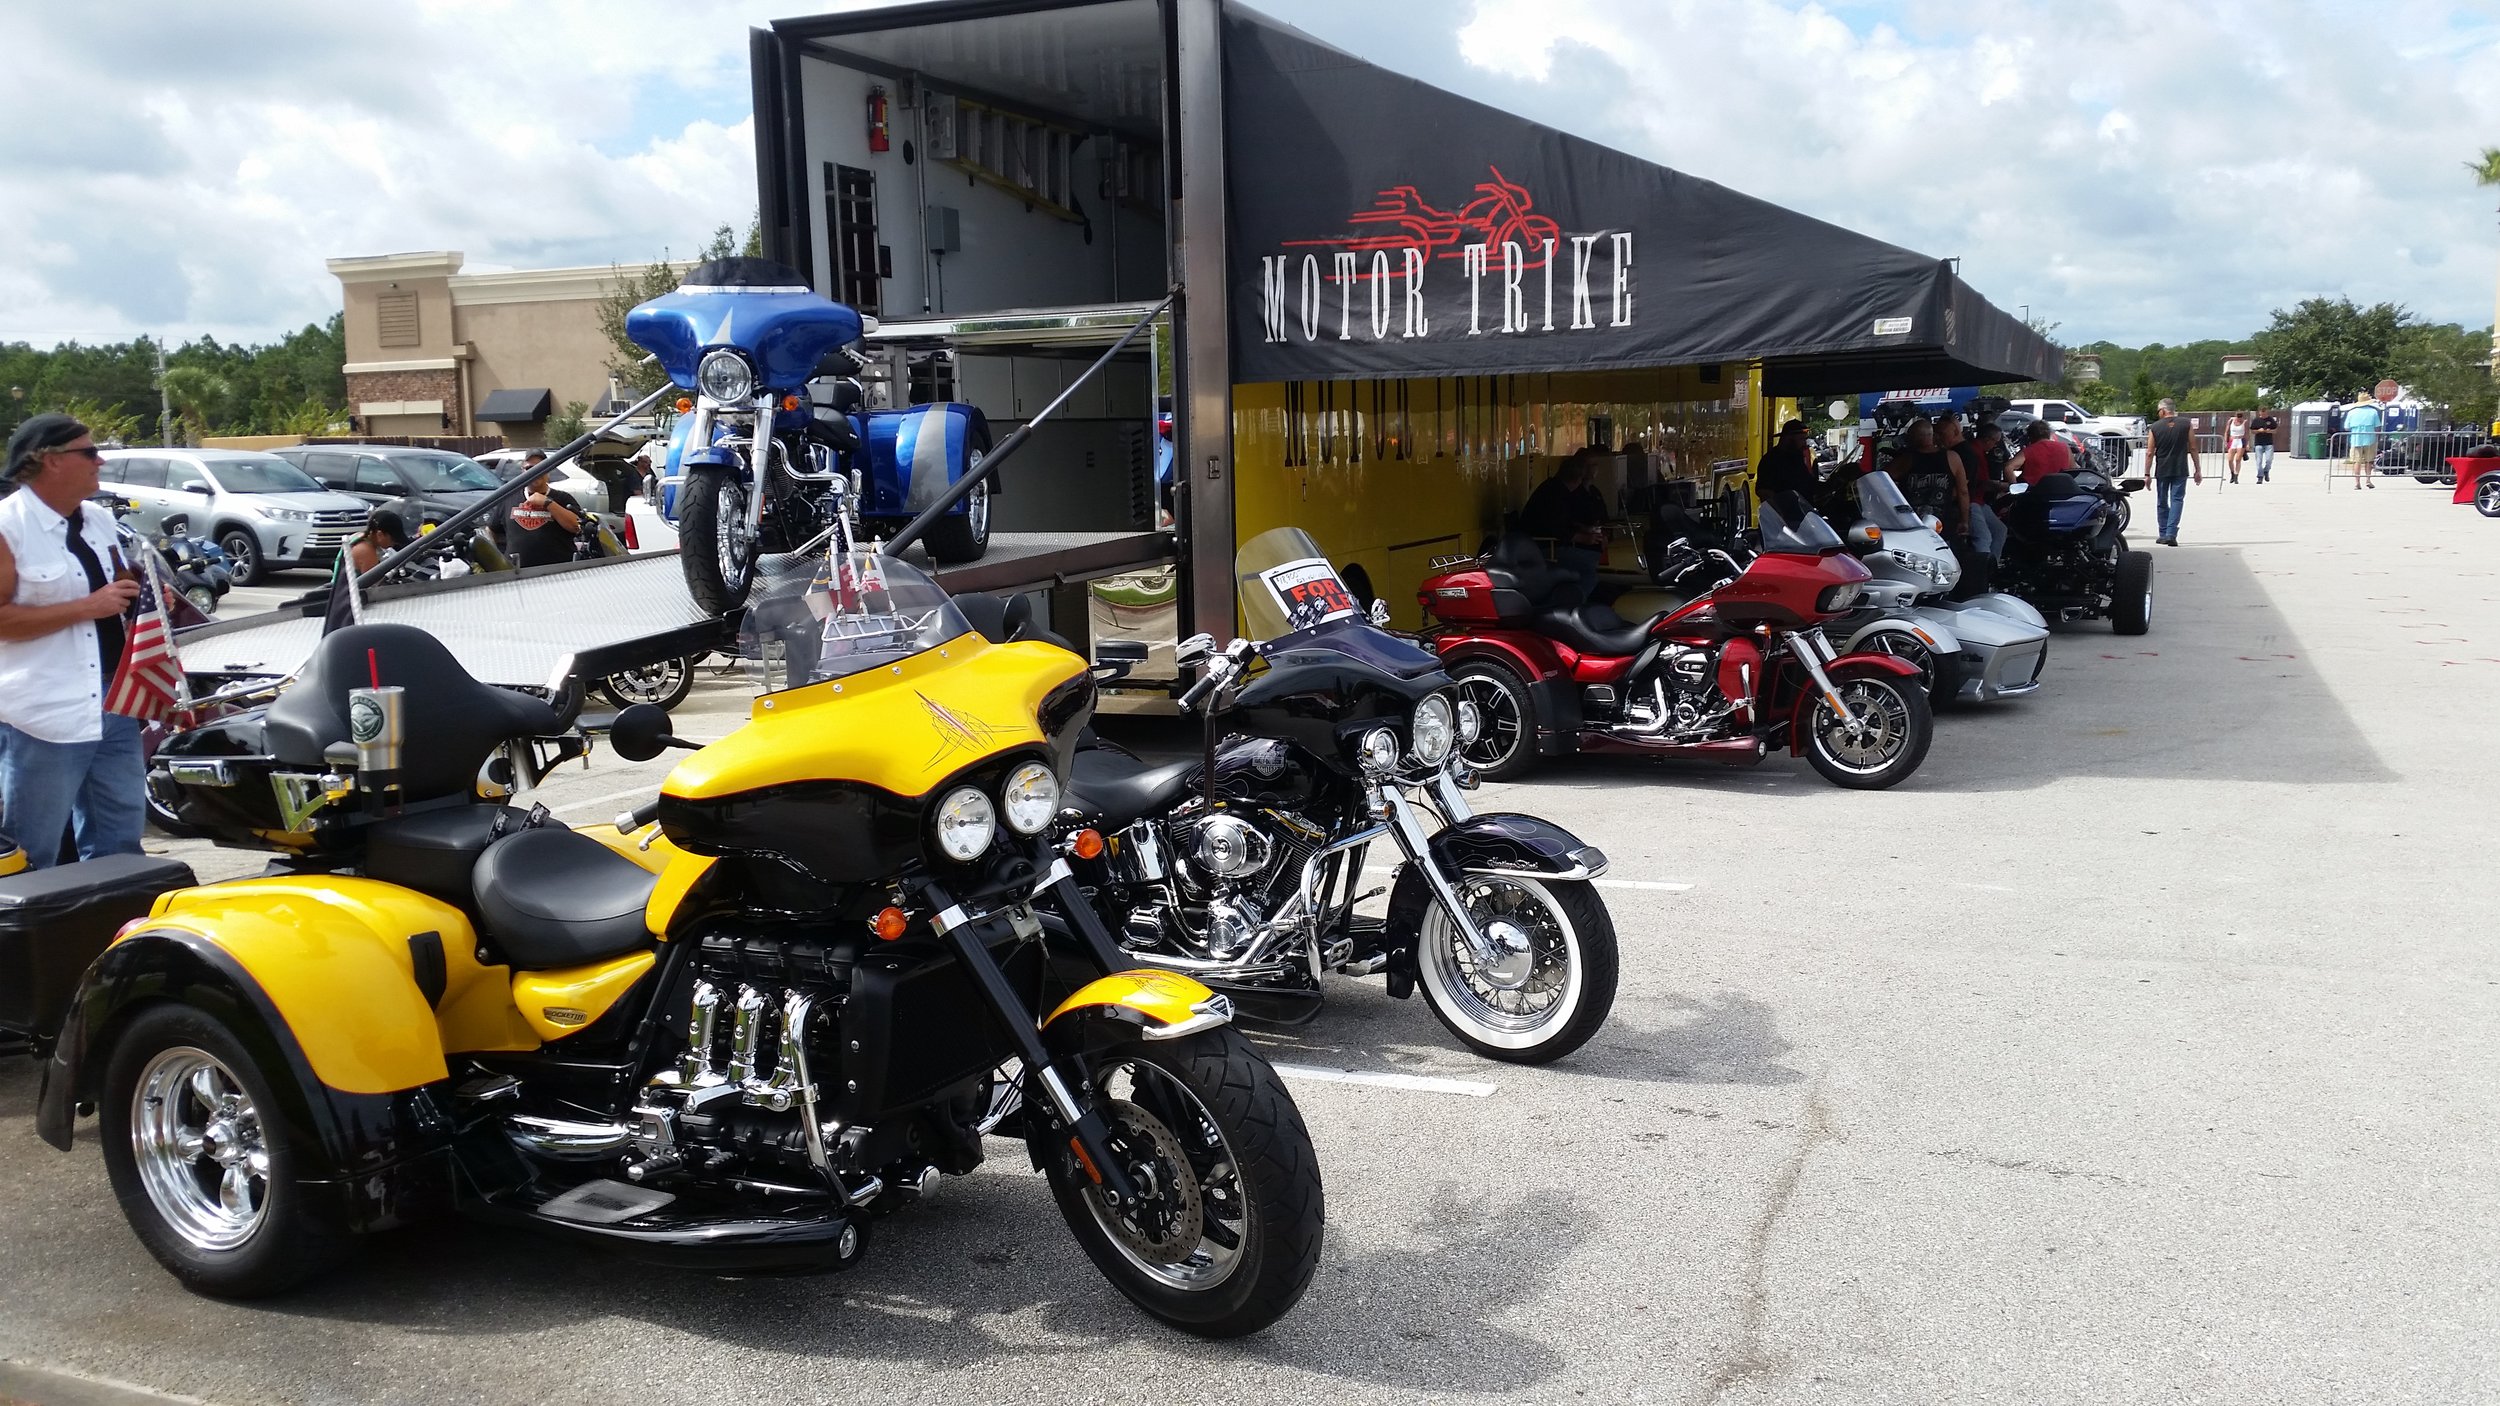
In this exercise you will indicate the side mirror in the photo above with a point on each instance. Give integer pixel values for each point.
(641, 733)
(1380, 613)
(1863, 535)
(2073, 419)
(1934, 523)
(2130, 485)
(1193, 650)
(200, 488)
(1130, 652)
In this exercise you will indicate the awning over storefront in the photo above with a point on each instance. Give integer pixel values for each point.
(517, 405)
(1383, 227)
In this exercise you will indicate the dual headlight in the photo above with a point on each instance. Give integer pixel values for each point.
(725, 376)
(1438, 728)
(967, 819)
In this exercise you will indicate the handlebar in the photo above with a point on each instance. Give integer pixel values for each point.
(638, 817)
(1221, 670)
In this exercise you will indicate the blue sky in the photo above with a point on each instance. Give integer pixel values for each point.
(2130, 169)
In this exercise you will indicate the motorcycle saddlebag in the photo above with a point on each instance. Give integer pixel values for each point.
(54, 922)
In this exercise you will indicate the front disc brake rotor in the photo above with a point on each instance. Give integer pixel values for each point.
(1168, 1219)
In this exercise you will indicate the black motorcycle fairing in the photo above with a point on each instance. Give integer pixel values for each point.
(1496, 840)
(1268, 772)
(360, 1151)
(1326, 685)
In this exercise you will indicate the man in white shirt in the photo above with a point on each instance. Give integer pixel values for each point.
(65, 763)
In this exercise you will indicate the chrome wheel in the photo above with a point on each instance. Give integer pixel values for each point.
(1873, 737)
(1909, 649)
(2487, 496)
(199, 1147)
(733, 545)
(1501, 729)
(1531, 978)
(977, 505)
(1190, 1221)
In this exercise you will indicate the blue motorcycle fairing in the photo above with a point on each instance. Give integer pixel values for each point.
(785, 334)
(2073, 514)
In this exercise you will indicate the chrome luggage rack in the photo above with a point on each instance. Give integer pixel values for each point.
(1444, 563)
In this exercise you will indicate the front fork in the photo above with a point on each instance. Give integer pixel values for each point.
(962, 933)
(1813, 651)
(1391, 801)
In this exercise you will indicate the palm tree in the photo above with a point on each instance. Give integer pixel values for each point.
(2487, 173)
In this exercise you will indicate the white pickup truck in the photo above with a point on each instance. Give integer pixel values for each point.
(2075, 417)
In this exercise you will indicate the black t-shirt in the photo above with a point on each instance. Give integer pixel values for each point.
(1782, 471)
(1926, 480)
(108, 630)
(2261, 430)
(2171, 440)
(1557, 511)
(533, 538)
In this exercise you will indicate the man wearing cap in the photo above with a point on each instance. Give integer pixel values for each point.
(65, 763)
(1788, 466)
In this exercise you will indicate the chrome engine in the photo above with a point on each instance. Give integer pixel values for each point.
(1215, 885)
(1679, 700)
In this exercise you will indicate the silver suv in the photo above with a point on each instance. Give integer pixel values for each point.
(268, 514)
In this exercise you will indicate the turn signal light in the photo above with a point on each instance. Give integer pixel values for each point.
(889, 923)
(1077, 1146)
(1086, 844)
(685, 405)
(789, 402)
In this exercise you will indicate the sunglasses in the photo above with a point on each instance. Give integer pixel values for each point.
(84, 451)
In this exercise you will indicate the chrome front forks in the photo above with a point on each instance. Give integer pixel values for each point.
(1813, 651)
(1417, 847)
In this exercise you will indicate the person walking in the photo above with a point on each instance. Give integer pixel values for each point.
(2234, 444)
(65, 763)
(2261, 430)
(2170, 456)
(2362, 423)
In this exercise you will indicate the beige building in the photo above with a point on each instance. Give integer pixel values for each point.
(434, 351)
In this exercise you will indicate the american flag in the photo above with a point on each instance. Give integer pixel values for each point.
(149, 683)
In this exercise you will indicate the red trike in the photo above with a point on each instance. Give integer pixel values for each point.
(1722, 677)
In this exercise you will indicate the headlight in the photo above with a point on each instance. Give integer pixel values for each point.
(1470, 722)
(1838, 599)
(1031, 798)
(290, 514)
(724, 376)
(966, 823)
(1432, 730)
(1378, 752)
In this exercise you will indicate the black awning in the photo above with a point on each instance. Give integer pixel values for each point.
(1383, 227)
(517, 406)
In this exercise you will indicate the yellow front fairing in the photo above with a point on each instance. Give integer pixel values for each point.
(902, 728)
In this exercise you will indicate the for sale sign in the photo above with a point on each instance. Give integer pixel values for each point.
(1308, 591)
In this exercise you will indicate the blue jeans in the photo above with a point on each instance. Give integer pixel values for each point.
(97, 788)
(2265, 461)
(2170, 497)
(1987, 534)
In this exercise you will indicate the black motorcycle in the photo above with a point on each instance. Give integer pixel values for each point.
(2066, 551)
(1243, 868)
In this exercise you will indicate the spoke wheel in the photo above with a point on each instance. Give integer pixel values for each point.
(665, 684)
(715, 549)
(2487, 496)
(1546, 984)
(1505, 744)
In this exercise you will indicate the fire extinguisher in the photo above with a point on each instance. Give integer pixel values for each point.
(876, 120)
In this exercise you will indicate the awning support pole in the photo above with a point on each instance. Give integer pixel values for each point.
(1202, 381)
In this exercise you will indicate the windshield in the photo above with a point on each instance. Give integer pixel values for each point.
(444, 473)
(265, 473)
(1797, 531)
(815, 618)
(1880, 504)
(1286, 584)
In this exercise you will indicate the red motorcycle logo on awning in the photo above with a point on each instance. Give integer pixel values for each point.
(1400, 218)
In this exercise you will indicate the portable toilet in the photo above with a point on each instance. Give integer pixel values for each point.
(2309, 420)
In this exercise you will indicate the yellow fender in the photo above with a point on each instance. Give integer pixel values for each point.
(336, 959)
(1167, 1004)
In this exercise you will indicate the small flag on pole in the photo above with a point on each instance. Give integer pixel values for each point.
(149, 683)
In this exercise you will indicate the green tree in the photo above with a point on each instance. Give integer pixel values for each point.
(2443, 364)
(2143, 397)
(107, 424)
(567, 426)
(2224, 395)
(202, 399)
(2329, 348)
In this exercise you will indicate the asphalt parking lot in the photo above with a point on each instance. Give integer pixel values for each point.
(2141, 1048)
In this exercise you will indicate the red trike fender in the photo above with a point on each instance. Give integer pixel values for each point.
(1531, 655)
(1844, 667)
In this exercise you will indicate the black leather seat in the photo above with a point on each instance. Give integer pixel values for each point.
(1595, 629)
(1115, 789)
(450, 722)
(554, 898)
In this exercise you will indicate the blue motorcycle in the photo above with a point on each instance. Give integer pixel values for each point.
(761, 463)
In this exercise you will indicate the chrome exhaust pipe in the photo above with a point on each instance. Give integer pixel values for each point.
(566, 1140)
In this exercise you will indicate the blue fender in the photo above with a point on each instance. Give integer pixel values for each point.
(917, 454)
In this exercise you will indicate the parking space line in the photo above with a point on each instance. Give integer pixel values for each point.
(1649, 885)
(1412, 1083)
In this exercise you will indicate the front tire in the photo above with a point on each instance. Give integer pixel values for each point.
(1228, 1237)
(1533, 1005)
(209, 1183)
(2131, 601)
(715, 550)
(1889, 740)
(1505, 745)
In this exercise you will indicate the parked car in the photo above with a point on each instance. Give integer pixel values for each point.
(427, 485)
(2070, 415)
(266, 513)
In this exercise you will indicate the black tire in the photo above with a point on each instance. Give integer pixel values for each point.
(2131, 600)
(1593, 961)
(290, 1237)
(1908, 728)
(161, 814)
(666, 683)
(964, 536)
(1275, 1191)
(718, 572)
(1505, 748)
(243, 549)
(2487, 495)
(2426, 480)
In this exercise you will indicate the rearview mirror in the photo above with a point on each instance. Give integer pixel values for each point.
(1120, 652)
(1193, 650)
(1380, 613)
(641, 733)
(2130, 485)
